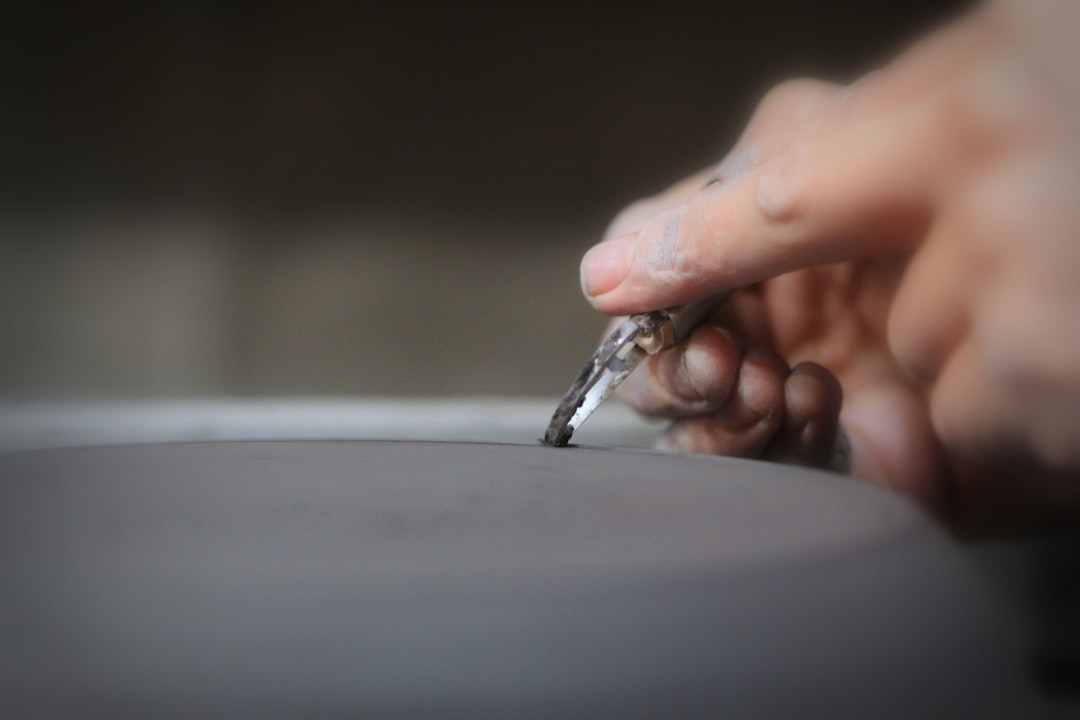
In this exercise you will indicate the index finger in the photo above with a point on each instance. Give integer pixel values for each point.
(856, 191)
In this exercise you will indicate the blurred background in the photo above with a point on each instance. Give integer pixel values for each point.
(283, 198)
(305, 199)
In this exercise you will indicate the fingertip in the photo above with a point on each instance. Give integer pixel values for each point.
(697, 376)
(811, 393)
(746, 423)
(761, 383)
(664, 263)
(812, 399)
(710, 362)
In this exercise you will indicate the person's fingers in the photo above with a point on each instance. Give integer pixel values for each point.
(746, 423)
(930, 314)
(1000, 283)
(945, 51)
(969, 411)
(636, 214)
(840, 196)
(746, 314)
(852, 178)
(812, 400)
(1027, 352)
(989, 405)
(892, 443)
(1048, 33)
(693, 378)
(782, 105)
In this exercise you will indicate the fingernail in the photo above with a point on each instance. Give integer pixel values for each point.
(606, 266)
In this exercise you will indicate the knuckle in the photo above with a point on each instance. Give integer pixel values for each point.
(793, 98)
(783, 190)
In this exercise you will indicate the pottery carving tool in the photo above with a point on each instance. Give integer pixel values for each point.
(636, 338)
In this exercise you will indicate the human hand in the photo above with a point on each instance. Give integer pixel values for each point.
(862, 175)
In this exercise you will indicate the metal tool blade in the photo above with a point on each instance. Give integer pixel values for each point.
(633, 340)
(609, 366)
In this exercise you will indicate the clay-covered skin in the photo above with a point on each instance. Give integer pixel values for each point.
(905, 249)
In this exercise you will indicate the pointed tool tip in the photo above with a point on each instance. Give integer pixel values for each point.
(557, 436)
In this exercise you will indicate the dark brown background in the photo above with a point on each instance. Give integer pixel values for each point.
(284, 198)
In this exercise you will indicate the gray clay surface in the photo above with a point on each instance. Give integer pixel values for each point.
(384, 579)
